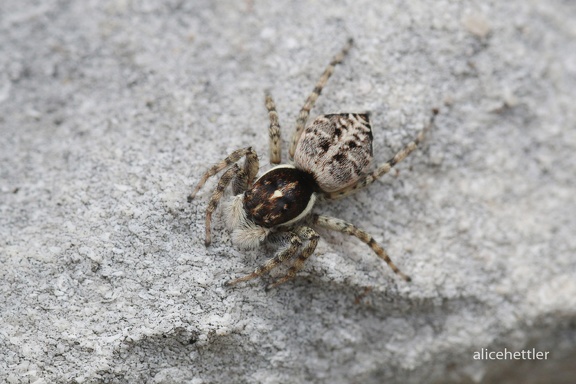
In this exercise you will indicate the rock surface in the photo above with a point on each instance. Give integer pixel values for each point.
(111, 111)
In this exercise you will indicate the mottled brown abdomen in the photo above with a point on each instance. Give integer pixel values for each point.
(336, 149)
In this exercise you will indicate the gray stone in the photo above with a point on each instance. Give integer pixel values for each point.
(111, 111)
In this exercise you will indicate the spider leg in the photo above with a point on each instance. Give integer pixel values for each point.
(350, 229)
(306, 234)
(305, 111)
(243, 178)
(217, 195)
(250, 167)
(240, 182)
(383, 168)
(288, 252)
(274, 131)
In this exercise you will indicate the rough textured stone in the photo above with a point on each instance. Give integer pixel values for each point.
(111, 110)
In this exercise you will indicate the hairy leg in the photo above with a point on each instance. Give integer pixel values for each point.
(305, 111)
(350, 229)
(311, 237)
(286, 253)
(274, 131)
(216, 196)
(383, 168)
(250, 167)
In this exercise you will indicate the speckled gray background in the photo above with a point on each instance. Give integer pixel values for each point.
(111, 110)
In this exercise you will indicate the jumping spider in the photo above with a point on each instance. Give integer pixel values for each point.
(330, 158)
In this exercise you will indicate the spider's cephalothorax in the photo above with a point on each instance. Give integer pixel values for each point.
(331, 159)
(280, 196)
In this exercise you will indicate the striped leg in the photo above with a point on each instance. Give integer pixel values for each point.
(240, 182)
(306, 234)
(283, 255)
(274, 131)
(305, 111)
(384, 168)
(250, 167)
(344, 227)
(216, 196)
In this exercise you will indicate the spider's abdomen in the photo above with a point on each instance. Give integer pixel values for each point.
(279, 196)
(336, 149)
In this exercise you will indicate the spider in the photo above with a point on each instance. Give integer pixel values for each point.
(330, 159)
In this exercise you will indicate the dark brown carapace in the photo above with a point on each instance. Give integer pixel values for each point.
(279, 196)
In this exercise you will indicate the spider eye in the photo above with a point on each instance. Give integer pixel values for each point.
(279, 196)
